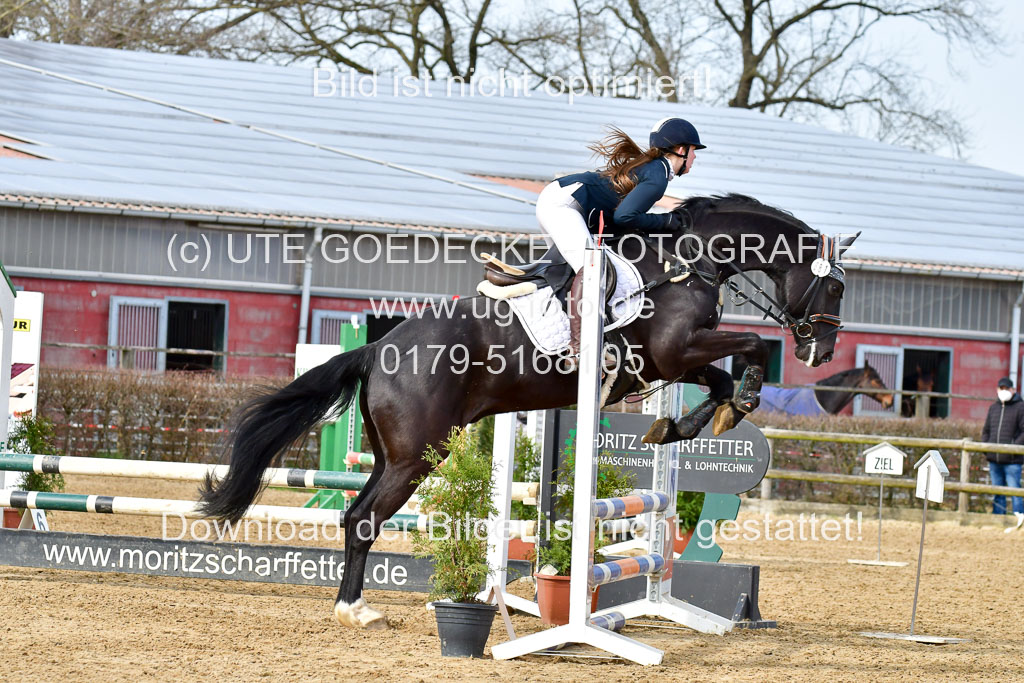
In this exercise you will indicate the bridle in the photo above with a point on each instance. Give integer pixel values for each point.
(825, 266)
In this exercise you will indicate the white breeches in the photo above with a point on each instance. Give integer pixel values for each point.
(561, 218)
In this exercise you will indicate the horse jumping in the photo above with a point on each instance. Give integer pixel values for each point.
(408, 405)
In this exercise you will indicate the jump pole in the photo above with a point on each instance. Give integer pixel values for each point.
(174, 471)
(585, 575)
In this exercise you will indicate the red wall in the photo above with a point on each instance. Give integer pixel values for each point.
(977, 365)
(77, 311)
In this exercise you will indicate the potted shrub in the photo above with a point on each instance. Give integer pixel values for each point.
(458, 497)
(556, 537)
(32, 435)
(688, 507)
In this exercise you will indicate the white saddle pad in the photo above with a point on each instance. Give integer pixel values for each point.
(546, 323)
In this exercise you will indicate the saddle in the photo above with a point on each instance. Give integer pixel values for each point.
(503, 281)
(550, 271)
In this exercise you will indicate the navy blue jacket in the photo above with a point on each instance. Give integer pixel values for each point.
(623, 213)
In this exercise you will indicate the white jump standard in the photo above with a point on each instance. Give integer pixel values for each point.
(655, 565)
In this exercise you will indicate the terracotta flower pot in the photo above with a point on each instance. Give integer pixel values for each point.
(518, 549)
(12, 518)
(680, 538)
(553, 599)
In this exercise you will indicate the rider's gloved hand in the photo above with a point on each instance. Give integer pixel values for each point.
(677, 221)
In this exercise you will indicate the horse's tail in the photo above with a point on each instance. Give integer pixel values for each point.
(268, 425)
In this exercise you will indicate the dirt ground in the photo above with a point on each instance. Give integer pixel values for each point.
(86, 626)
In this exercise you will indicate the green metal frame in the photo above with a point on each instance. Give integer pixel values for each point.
(341, 437)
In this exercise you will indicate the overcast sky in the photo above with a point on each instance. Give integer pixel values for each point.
(990, 94)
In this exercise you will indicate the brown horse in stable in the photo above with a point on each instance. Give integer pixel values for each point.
(408, 406)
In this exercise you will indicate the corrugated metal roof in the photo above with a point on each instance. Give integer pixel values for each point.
(911, 206)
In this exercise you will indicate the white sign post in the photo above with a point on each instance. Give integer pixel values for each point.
(26, 322)
(882, 459)
(931, 482)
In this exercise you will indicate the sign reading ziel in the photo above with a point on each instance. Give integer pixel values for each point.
(884, 458)
(734, 462)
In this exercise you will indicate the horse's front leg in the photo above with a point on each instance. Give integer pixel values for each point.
(666, 430)
(708, 346)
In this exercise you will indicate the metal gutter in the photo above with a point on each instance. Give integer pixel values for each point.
(307, 279)
(1015, 338)
(229, 285)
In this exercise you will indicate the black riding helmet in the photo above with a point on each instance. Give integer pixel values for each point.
(671, 132)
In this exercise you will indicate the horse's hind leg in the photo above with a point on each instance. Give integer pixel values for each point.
(361, 529)
(666, 430)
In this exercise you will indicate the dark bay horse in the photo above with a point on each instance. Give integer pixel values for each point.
(811, 400)
(489, 368)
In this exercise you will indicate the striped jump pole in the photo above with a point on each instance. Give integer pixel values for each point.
(159, 507)
(658, 504)
(175, 471)
(156, 507)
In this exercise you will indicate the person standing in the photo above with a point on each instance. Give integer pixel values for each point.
(1005, 424)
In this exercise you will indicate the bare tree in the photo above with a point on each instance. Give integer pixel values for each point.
(813, 59)
(156, 25)
(422, 38)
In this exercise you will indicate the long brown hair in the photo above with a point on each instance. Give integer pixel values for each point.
(622, 155)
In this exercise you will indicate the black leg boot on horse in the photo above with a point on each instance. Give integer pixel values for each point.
(747, 399)
(666, 430)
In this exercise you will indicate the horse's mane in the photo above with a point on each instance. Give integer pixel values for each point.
(701, 206)
(838, 378)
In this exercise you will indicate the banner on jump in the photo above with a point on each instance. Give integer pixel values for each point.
(733, 462)
(296, 565)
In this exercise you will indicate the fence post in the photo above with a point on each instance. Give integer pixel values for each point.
(963, 499)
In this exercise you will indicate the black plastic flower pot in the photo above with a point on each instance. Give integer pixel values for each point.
(463, 627)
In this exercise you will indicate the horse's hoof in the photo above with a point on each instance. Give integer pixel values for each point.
(359, 615)
(660, 432)
(379, 624)
(725, 418)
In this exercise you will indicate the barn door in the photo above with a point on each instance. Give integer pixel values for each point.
(888, 361)
(137, 322)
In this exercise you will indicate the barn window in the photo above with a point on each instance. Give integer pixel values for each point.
(197, 325)
(138, 324)
(908, 369)
(327, 325)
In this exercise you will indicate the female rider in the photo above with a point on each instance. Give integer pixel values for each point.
(623, 191)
